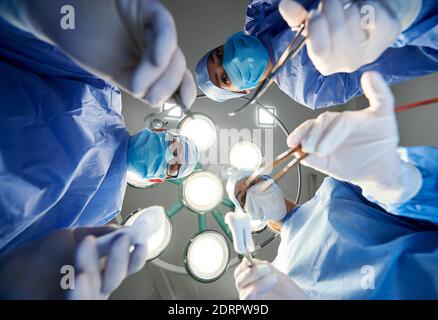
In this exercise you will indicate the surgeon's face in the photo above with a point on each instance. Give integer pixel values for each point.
(217, 73)
(241, 189)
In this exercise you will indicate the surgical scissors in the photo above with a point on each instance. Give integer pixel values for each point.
(277, 161)
(297, 43)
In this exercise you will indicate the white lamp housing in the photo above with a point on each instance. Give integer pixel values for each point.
(207, 256)
(202, 191)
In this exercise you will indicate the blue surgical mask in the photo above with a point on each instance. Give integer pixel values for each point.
(146, 154)
(245, 60)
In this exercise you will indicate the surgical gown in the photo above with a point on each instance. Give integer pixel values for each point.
(414, 54)
(340, 245)
(63, 142)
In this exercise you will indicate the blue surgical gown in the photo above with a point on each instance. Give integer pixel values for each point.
(63, 142)
(340, 245)
(414, 54)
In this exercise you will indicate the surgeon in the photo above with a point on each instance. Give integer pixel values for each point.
(371, 230)
(396, 38)
(65, 151)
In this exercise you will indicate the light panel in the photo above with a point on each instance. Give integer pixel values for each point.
(264, 118)
(174, 113)
(207, 256)
(202, 191)
(159, 241)
(200, 129)
(245, 154)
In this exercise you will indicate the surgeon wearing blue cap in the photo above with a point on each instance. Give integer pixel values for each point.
(340, 47)
(64, 148)
(369, 232)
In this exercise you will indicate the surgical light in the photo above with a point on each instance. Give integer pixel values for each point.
(200, 129)
(202, 191)
(159, 241)
(245, 154)
(265, 118)
(207, 256)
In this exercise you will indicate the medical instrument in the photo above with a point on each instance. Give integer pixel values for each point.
(277, 161)
(297, 43)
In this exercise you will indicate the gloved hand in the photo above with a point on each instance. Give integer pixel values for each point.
(341, 40)
(264, 281)
(360, 146)
(240, 226)
(132, 43)
(34, 271)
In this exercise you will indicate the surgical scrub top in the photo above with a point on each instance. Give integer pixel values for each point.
(414, 54)
(63, 142)
(340, 245)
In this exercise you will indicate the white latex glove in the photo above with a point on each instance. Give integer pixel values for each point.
(341, 40)
(360, 146)
(94, 281)
(33, 271)
(132, 43)
(240, 226)
(264, 281)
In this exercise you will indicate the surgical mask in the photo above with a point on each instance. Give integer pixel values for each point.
(245, 60)
(146, 154)
(267, 205)
(149, 153)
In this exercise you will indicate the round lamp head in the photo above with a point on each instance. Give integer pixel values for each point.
(207, 256)
(246, 154)
(202, 191)
(160, 240)
(200, 129)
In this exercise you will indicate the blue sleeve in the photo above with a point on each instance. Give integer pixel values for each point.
(263, 17)
(424, 30)
(424, 205)
(304, 83)
(21, 48)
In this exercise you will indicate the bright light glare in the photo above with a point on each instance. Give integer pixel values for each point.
(245, 155)
(203, 191)
(200, 129)
(207, 255)
(265, 118)
(159, 241)
(175, 112)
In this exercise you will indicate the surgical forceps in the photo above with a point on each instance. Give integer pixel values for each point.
(294, 47)
(277, 161)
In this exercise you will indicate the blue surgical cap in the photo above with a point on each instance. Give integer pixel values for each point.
(209, 88)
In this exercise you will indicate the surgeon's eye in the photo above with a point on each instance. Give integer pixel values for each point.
(225, 79)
